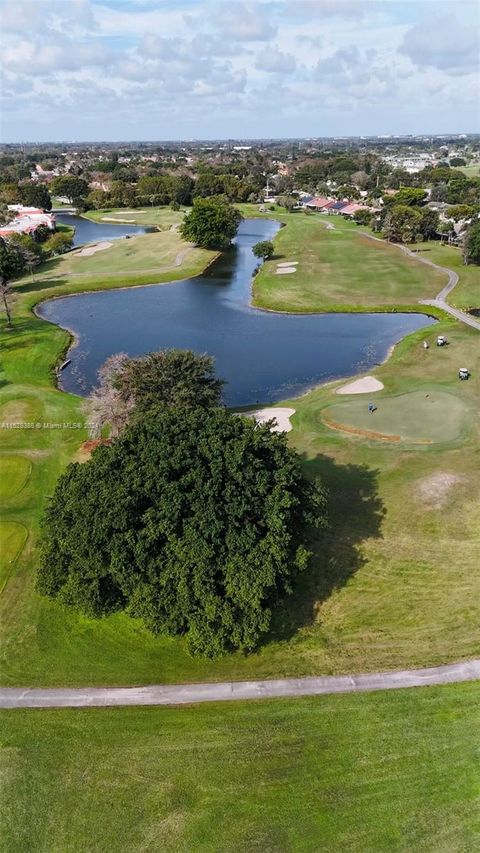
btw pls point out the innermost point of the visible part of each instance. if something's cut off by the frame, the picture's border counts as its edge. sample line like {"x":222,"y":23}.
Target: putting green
{"x":420,"y":416}
{"x":14,"y":473}
{"x":12,"y":539}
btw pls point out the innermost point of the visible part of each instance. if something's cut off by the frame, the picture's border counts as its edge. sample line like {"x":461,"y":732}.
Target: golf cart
{"x":463,"y":373}
{"x":441,"y":341}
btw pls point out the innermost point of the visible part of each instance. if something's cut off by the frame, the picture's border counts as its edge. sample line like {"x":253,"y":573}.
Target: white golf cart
{"x":463,"y":373}
{"x":441,"y":341}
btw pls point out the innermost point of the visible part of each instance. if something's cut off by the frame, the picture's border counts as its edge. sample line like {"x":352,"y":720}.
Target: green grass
{"x":147,"y":258}
{"x":471,"y":171}
{"x":395,"y":582}
{"x":437,"y":417}
{"x":466,"y":295}
{"x":163,"y":217}
{"x":394,"y":771}
{"x":339,"y":267}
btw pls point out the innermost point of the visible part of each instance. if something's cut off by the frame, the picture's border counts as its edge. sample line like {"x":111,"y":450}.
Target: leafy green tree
{"x":35,"y":195}
{"x":12,"y":264}
{"x":429,"y":222}
{"x":194,"y":521}
{"x":287,"y":201}
{"x":457,"y":212}
{"x":472,"y":244}
{"x":211,"y":224}
{"x":70,"y":186}
{"x":58,"y":244}
{"x":410,"y":196}
{"x":133,"y":387}
{"x":402,"y":223}
{"x":362,"y":217}
{"x":264,"y":249}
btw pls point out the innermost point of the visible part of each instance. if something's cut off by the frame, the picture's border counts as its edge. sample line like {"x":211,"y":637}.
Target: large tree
{"x":212,"y":223}
{"x":194,"y":521}
{"x":70,"y":186}
{"x":472,"y":244}
{"x":35,"y":195}
{"x":402,"y":223}
{"x":165,"y":379}
{"x":12,"y":264}
{"x":263,"y":250}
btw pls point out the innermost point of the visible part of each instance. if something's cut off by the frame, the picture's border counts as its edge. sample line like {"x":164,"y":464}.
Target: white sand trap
{"x":366,"y":385}
{"x":285,"y":270}
{"x":117,"y":220}
{"x":92,"y":250}
{"x":281,"y":416}
{"x":287,"y":264}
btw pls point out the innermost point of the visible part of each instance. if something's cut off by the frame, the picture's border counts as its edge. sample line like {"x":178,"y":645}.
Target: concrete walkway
{"x":185,"y":694}
{"x":440,"y":299}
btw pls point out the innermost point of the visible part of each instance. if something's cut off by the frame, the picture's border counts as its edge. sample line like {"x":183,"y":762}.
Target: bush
{"x":193,"y":520}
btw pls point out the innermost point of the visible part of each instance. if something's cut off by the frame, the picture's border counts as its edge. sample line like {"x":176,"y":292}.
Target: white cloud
{"x":243,"y":21}
{"x":443,"y":42}
{"x":272,"y":59}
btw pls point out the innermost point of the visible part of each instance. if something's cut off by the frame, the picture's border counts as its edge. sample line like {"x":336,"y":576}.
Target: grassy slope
{"x":386,"y":771}
{"x":466,"y":294}
{"x":395,"y":584}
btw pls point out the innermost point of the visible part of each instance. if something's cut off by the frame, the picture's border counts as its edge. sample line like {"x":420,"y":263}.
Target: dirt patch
{"x":434,"y":490}
{"x":86,"y":449}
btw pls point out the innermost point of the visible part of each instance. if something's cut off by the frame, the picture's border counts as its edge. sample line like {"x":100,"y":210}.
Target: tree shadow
{"x":355,"y":513}
{"x":39,"y":284}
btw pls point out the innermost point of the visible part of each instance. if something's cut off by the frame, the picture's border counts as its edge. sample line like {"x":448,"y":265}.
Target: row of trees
{"x":193,"y":519}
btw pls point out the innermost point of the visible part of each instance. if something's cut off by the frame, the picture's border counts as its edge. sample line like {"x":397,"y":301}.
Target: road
{"x":440,"y":299}
{"x":186,"y":694}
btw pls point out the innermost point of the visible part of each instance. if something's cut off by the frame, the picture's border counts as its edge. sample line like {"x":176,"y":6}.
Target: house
{"x":352,"y":208}
{"x":317,"y":203}
{"x":27,"y":221}
{"x":335,"y":207}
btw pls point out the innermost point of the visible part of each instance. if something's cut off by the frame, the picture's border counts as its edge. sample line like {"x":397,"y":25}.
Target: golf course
{"x":393,"y":583}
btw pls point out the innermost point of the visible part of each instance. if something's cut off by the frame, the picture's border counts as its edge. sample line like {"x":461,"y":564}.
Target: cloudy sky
{"x":176,"y":69}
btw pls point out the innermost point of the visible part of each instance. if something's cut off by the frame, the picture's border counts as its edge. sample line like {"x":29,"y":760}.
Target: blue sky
{"x":175,"y":69}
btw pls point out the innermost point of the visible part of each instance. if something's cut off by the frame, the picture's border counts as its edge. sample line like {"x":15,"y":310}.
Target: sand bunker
{"x":366,"y":385}
{"x":285,"y":270}
{"x":92,"y":250}
{"x":281,"y":416}
{"x":119,"y":221}
{"x":287,"y":264}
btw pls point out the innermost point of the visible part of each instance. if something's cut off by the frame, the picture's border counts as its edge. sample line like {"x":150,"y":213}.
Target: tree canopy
{"x":212,"y":223}
{"x":264,"y":249}
{"x":194,"y":521}
{"x":165,"y":379}
{"x":472,"y":244}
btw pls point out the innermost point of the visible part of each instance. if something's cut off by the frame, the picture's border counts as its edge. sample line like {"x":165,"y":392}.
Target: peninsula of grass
{"x":297,"y":775}
{"x":395,"y":583}
{"x":338,"y":268}
{"x":466,"y":294}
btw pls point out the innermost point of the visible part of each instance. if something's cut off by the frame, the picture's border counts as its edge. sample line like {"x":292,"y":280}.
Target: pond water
{"x":87,"y":231}
{"x":264,"y":356}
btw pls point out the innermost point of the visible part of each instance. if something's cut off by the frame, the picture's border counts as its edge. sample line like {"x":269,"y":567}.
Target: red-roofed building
{"x":352,"y":208}
{"x":317,"y":203}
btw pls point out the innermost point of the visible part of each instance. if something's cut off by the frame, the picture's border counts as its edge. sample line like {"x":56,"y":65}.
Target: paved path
{"x":440,"y":299}
{"x":185,"y":694}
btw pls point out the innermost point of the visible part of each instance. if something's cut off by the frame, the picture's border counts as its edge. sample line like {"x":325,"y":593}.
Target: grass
{"x":163,"y":217}
{"x":394,"y":584}
{"x":466,"y":295}
{"x":140,"y":260}
{"x":394,"y":771}
{"x":471,"y":171}
{"x":339,"y":267}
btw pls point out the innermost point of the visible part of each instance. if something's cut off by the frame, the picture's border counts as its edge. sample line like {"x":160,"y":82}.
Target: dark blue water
{"x":89,"y":232}
{"x":263,"y":356}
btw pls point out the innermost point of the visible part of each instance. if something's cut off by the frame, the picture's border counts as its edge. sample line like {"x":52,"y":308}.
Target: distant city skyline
{"x":107,"y":70}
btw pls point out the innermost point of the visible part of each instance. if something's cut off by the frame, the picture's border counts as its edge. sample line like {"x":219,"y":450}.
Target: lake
{"x":87,"y":231}
{"x":264,"y":356}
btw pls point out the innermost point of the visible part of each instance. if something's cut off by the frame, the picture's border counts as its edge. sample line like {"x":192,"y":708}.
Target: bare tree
{"x":106,"y":403}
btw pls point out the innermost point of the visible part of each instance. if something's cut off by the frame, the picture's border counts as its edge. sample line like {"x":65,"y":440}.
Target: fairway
{"x":12,"y":539}
{"x":433,"y":416}
{"x":339,"y":269}
{"x":283,"y":775}
{"x":14,"y":473}
{"x":163,"y":217}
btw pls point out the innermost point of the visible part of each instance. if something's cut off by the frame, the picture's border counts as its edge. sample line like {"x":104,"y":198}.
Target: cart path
{"x":440,"y":299}
{"x":186,"y":694}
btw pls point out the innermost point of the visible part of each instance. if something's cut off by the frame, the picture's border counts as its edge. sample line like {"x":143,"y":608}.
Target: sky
{"x":80,"y":70}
